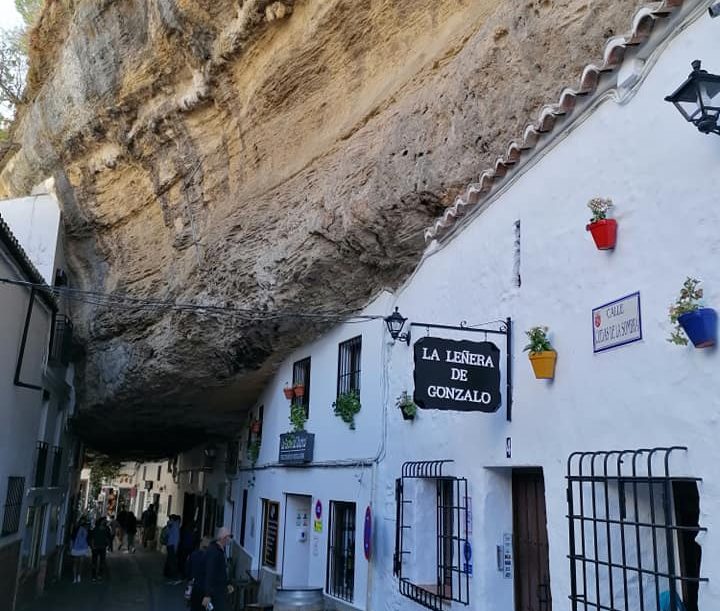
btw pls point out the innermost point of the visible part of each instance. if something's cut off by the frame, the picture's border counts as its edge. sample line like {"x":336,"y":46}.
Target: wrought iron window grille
{"x":40,"y":463}
{"x":632,"y":528}
{"x":61,"y":341}
{"x":301,"y":375}
{"x":13,"y":505}
{"x":452,"y":578}
{"x":56,"y":465}
{"x":349,"y":354}
{"x":340,"y":572}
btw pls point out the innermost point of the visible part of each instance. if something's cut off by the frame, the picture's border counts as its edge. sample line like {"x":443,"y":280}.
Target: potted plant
{"x":255,"y":426}
{"x":346,"y":406}
{"x":542,"y":355}
{"x":602,"y":229}
{"x":253,"y":451}
{"x":690,"y":320}
{"x":407,"y":406}
{"x":299,"y":389}
{"x":298,"y":418}
{"x":288,"y":391}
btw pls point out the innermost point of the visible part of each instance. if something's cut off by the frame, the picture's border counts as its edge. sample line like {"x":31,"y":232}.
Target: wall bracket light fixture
{"x":395,"y":323}
{"x":698,"y":99}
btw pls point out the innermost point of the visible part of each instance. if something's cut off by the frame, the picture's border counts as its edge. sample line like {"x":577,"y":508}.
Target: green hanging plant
{"x":688,"y":301}
{"x":406,"y":405}
{"x":346,"y":406}
{"x":253,"y":451}
{"x":298,"y":418}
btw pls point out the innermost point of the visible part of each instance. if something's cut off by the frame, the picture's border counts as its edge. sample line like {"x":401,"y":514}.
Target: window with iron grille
{"x":57,"y":463}
{"x":61,"y":341}
{"x":144,"y":473}
{"x":349,"y":353}
{"x":159,"y":473}
{"x":301,"y":375}
{"x":632,"y":532}
{"x":169,"y":507}
{"x":41,"y":464}
{"x":271,"y":517}
{"x":232,"y":456}
{"x":13,"y":505}
{"x":425,"y":494}
{"x":341,"y":551}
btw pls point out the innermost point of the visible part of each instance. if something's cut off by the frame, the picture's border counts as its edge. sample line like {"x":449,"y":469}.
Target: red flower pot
{"x":604,"y":233}
{"x":299,"y":390}
{"x":255,"y":426}
{"x":289,"y":392}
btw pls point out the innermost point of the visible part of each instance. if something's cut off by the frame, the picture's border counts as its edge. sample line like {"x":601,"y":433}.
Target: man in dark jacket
{"x":100,"y":540}
{"x":195,"y":573}
{"x":216,"y":581}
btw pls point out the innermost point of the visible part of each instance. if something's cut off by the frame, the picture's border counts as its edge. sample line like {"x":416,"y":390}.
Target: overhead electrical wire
{"x":127,"y":302}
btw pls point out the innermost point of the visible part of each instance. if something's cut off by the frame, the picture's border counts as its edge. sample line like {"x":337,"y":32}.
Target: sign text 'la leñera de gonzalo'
{"x":457,"y":375}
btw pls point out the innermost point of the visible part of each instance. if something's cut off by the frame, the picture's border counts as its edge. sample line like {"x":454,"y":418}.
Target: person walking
{"x":130,"y":530}
{"x":173,"y":539}
{"x":195,"y":573}
{"x":149,"y":522}
{"x":100,"y":540}
{"x":79,"y":548}
{"x":216,"y":585}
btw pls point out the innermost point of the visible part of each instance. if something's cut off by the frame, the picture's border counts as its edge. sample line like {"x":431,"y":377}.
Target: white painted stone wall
{"x":662,"y":175}
{"x":337,"y":473}
{"x":35,"y":222}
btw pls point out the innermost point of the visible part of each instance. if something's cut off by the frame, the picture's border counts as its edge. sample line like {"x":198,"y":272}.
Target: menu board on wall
{"x":271,"y":516}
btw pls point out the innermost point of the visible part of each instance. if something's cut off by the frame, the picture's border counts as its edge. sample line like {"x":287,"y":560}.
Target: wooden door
{"x":530,"y":542}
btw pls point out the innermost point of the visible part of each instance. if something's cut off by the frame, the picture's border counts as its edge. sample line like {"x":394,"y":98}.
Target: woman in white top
{"x":79,"y":548}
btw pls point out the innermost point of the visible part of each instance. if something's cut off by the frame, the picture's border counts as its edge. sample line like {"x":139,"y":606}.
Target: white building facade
{"x":38,"y":454}
{"x":593,"y":490}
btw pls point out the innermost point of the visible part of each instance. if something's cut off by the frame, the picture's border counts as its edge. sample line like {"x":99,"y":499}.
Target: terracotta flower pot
{"x":255,"y":426}
{"x":289,"y":392}
{"x":543,"y":364}
{"x":299,"y":390}
{"x":604,"y":233}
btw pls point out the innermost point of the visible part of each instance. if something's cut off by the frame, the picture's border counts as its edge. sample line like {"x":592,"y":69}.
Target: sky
{"x":9,"y":17}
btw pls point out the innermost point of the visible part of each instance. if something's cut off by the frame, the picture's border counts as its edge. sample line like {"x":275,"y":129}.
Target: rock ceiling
{"x":267,"y":156}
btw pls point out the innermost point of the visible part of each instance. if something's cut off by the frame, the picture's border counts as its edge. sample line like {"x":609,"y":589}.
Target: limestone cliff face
{"x":267,"y":155}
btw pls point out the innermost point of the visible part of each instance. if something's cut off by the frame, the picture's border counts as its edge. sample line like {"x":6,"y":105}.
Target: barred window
{"x":13,"y":505}
{"x":41,"y":464}
{"x":301,"y":375}
{"x":349,"y":353}
{"x":632,"y":532}
{"x":56,"y":465}
{"x":341,"y":551}
{"x":425,"y":494}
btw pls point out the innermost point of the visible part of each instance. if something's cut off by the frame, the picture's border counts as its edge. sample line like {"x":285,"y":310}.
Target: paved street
{"x":133,"y":582}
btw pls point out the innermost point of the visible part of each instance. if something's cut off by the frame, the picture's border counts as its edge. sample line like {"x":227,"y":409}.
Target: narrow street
{"x":134,"y":582}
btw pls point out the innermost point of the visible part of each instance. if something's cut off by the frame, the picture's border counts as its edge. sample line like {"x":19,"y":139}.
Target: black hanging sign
{"x":457,"y":375}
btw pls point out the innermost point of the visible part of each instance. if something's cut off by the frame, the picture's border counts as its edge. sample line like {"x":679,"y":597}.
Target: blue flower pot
{"x":700,"y":326}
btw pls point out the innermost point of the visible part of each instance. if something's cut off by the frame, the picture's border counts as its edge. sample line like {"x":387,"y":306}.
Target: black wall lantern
{"x":395,"y":323}
{"x":698,"y":99}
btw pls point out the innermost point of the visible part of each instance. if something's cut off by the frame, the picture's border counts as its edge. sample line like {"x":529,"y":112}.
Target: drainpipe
{"x":21,"y":354}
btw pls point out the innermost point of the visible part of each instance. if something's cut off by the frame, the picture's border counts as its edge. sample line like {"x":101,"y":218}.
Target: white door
{"x":296,"y":554}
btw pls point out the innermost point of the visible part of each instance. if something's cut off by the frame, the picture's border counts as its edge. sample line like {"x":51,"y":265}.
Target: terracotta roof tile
{"x":613,"y":56}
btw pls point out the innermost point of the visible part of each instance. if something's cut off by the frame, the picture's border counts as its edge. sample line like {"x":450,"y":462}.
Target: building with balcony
{"x":38,"y":455}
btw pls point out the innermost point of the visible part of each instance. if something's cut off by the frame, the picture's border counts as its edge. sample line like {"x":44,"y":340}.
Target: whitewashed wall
{"x":334,"y":442}
{"x":662,"y":175}
{"x":21,"y":409}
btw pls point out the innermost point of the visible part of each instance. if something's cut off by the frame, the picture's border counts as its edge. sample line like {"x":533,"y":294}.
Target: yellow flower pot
{"x":543,"y":364}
